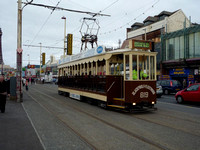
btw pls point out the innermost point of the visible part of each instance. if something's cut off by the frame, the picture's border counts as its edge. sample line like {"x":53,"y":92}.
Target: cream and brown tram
{"x":123,"y":79}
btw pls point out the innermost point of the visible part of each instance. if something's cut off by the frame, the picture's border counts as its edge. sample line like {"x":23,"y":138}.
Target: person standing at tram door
{"x":3,"y":93}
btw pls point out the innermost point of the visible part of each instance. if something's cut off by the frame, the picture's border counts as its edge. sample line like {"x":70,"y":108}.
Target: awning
{"x":83,"y":61}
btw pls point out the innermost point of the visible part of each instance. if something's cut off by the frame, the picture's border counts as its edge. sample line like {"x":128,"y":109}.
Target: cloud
{"x":122,"y":12}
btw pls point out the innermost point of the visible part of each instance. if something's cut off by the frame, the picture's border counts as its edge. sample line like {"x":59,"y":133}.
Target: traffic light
{"x":43,"y":58}
{"x":69,"y":44}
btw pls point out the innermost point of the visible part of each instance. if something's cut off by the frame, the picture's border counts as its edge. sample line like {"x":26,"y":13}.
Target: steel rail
{"x":60,"y":119}
{"x":141,"y":138}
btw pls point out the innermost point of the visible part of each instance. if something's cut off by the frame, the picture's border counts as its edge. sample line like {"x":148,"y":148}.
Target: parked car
{"x":192,"y":93}
{"x":159,"y":91}
{"x":170,"y":86}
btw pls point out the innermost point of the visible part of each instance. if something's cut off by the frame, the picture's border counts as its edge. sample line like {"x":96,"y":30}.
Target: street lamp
{"x":64,"y":35}
{"x":40,"y":57}
{"x":28,"y":58}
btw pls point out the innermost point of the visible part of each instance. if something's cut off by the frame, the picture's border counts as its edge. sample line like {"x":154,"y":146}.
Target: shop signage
{"x":191,"y":77}
{"x":31,"y":66}
{"x":165,"y":77}
{"x":181,"y":71}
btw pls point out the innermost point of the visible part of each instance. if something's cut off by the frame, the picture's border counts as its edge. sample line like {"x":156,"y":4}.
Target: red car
{"x":192,"y":93}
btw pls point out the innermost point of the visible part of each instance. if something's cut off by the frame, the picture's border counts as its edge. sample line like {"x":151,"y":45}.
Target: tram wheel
{"x":102,"y":105}
{"x":179,"y":99}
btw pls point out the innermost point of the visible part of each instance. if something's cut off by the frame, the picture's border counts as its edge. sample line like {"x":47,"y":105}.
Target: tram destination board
{"x":140,"y":44}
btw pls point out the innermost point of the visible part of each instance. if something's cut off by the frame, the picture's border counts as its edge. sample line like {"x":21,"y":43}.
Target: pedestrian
{"x":23,"y":83}
{"x":27,"y":85}
{"x":184,"y":83}
{"x":190,"y":82}
{"x":3,"y":93}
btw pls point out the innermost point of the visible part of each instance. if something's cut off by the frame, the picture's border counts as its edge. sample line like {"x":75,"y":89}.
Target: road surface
{"x":64,"y":123}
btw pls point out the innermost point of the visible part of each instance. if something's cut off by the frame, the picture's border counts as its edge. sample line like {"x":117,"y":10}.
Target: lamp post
{"x":40,"y":58}
{"x":28,"y":59}
{"x":64,"y":35}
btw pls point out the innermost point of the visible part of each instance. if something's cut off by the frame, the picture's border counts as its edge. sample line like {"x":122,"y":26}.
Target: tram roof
{"x":71,"y":60}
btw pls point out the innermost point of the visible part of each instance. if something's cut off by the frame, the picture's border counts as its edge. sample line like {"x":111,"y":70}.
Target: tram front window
{"x":140,"y":67}
{"x":126,"y":69}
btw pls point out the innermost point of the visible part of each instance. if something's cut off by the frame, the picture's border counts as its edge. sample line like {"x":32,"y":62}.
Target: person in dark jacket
{"x":3,"y":93}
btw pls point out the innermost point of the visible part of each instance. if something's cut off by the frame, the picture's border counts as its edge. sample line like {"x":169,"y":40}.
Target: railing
{"x":111,"y":86}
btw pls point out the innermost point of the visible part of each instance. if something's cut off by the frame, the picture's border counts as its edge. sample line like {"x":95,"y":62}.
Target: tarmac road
{"x":64,"y":123}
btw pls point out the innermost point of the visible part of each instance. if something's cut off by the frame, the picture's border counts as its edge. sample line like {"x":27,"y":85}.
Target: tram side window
{"x":152,"y":67}
{"x":127,"y":67}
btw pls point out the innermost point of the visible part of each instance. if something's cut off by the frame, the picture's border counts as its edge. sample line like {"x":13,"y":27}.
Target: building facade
{"x":181,"y":54}
{"x":153,"y":27}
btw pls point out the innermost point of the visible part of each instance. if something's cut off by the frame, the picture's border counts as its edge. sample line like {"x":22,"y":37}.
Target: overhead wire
{"x":120,"y":27}
{"x":126,"y":14}
{"x":98,"y":13}
{"x":109,"y":6}
{"x":44,"y":23}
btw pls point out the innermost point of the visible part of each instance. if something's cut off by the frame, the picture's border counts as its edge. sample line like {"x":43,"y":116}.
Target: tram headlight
{"x":134,"y":104}
{"x":153,"y":103}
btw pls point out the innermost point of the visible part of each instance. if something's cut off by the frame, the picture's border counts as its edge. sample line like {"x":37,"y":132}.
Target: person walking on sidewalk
{"x":26,"y":85}
{"x":3,"y":93}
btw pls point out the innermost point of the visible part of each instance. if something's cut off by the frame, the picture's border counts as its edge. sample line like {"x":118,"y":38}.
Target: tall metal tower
{"x":1,"y":56}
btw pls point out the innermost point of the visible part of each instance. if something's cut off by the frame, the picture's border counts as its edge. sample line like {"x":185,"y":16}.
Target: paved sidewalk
{"x":16,"y":131}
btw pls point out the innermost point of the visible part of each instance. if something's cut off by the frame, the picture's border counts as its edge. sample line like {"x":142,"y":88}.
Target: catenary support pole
{"x":19,"y":53}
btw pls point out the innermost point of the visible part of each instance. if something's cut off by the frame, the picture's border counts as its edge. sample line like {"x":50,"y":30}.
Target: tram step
{"x":117,"y":106}
{"x":119,"y":99}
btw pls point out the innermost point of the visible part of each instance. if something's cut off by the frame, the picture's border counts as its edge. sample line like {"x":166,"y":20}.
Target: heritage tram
{"x":123,"y":79}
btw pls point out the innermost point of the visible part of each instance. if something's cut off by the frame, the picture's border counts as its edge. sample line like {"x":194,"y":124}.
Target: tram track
{"x":93,"y":147}
{"x":161,"y":124}
{"x":57,"y":98}
{"x":141,"y":138}
{"x":167,"y":115}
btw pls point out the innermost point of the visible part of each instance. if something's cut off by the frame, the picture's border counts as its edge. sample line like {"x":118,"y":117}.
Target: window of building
{"x":171,"y":49}
{"x":177,"y":48}
{"x":191,"y":46}
{"x":182,"y":47}
{"x":167,"y":49}
{"x":148,"y":23}
{"x":197,"y":44}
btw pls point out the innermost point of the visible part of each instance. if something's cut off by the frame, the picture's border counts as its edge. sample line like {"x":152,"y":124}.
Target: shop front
{"x":182,"y":73}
